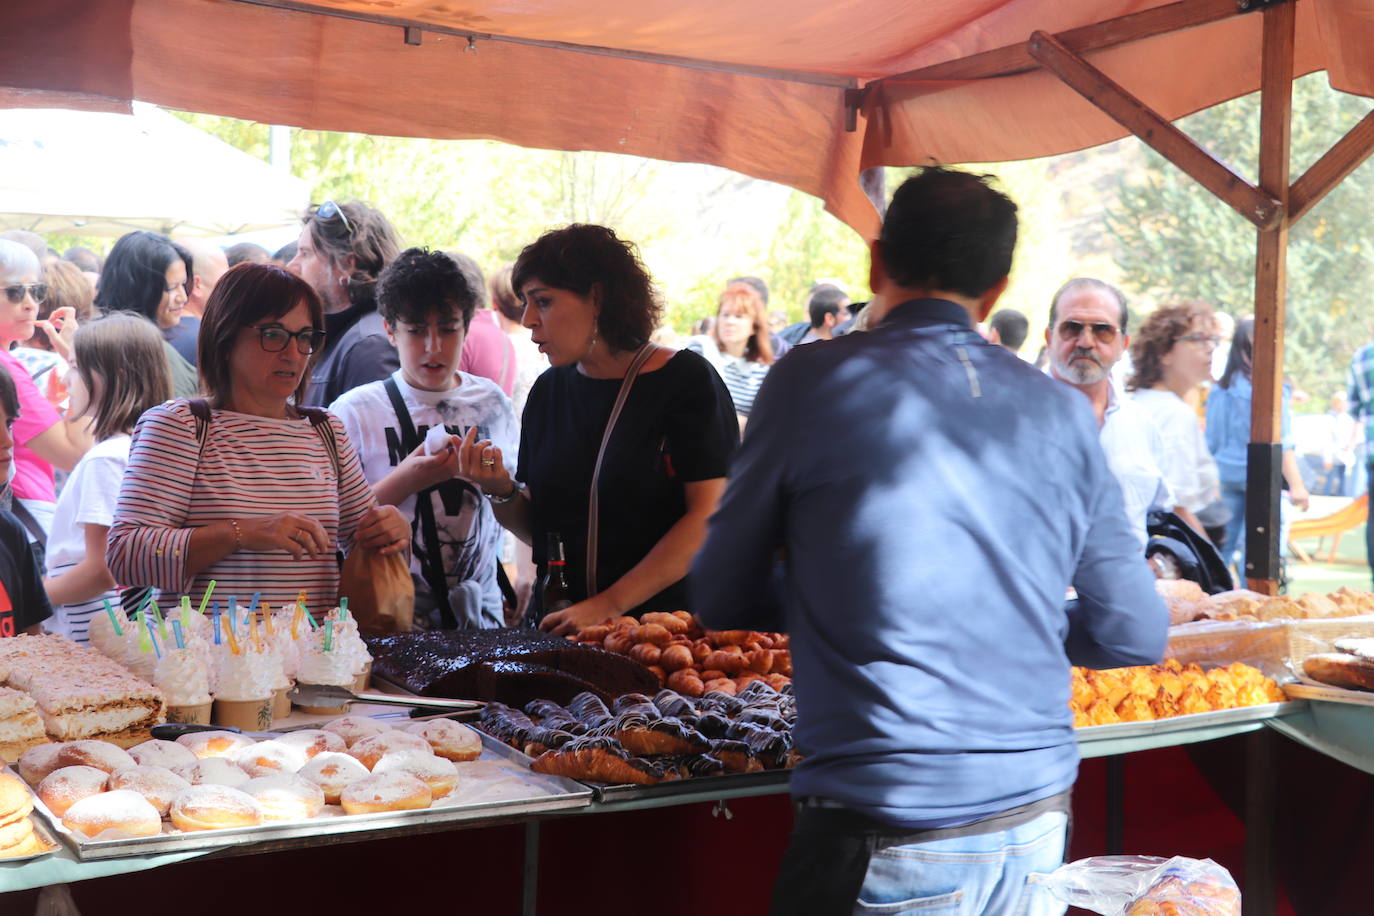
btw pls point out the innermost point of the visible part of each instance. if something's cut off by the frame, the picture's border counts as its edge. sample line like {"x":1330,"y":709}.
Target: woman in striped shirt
{"x":246,"y":488}
{"x":739,"y":345}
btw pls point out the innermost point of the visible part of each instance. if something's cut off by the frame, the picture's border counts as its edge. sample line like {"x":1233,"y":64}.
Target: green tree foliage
{"x":1175,"y":241}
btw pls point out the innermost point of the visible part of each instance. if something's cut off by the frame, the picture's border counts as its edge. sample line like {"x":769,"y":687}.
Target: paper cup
{"x":364,"y":678}
{"x":250,"y":715}
{"x":281,"y":703}
{"x":193,"y":715}
{"x":323,"y":710}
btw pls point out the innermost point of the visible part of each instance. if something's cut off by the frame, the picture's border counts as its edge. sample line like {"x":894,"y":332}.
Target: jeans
{"x":1233,"y":545}
{"x":983,"y":875}
{"x":1369,"y":523}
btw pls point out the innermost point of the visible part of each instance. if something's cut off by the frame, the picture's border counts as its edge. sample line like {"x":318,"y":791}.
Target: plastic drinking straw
{"x":233,"y":614}
{"x":176,"y":631}
{"x":152,"y":637}
{"x":143,"y":605}
{"x":205,"y":599}
{"x":233,"y":640}
{"x":145,"y":642}
{"x":267,"y":620}
{"x":161,"y":624}
{"x":296,"y":622}
{"x":253,"y":603}
{"x":329,"y":636}
{"x":218,"y":626}
{"x":343,"y":608}
{"x":114,"y":621}
{"x":253,"y":629}
{"x":186,"y":611}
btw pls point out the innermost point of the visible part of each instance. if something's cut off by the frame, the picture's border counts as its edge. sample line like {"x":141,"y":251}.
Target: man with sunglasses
{"x":343,"y":249}
{"x":1086,"y":336}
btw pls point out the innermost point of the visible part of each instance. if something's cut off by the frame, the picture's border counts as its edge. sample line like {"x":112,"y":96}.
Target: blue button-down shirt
{"x":935,"y":497}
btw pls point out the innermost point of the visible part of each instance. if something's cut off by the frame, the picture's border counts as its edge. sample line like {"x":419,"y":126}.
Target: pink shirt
{"x":488,"y":352}
{"x":32,"y":475}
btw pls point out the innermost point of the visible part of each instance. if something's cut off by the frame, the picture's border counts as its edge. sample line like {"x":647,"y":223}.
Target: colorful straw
{"x":114,"y":621}
{"x":161,"y":624}
{"x":186,"y":611}
{"x":329,"y":636}
{"x":145,"y":642}
{"x":296,"y":622}
{"x":267,"y":619}
{"x":218,"y":623}
{"x":152,"y":637}
{"x":176,"y":631}
{"x":343,"y":608}
{"x":205,"y":599}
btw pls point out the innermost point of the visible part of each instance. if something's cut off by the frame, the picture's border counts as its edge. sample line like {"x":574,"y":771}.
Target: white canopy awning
{"x":95,"y":173}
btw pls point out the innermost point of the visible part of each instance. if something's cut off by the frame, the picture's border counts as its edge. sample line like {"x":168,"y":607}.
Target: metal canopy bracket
{"x":414,"y":35}
{"x":853,"y":101}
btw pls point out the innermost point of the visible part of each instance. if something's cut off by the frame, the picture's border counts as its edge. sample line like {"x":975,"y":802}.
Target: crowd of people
{"x":176,"y":414}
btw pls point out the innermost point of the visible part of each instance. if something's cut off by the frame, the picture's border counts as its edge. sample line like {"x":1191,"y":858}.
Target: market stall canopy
{"x":98,"y":173}
{"x":770,"y":88}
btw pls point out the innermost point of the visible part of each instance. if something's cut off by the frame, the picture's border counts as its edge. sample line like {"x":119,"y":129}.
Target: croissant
{"x":686,"y":681}
{"x":619,"y":642}
{"x":597,"y":760}
{"x":646,"y":653}
{"x":652,"y":632}
{"x":676,"y":657}
{"x":722,"y":684}
{"x":730,"y":637}
{"x":729,"y":662}
{"x":665,"y":736}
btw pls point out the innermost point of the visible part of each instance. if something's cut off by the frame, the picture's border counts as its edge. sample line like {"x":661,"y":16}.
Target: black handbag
{"x":1194,"y":556}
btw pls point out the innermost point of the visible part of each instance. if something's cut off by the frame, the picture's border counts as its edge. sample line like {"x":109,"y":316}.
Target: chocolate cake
{"x":509,"y":666}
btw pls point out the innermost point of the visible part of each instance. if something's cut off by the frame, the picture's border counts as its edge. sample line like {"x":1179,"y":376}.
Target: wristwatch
{"x":502,"y":500}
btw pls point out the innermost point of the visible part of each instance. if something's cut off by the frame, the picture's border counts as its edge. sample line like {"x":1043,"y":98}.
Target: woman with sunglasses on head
{"x":43,"y":440}
{"x":1171,"y":356}
{"x":590,"y":307}
{"x":343,"y":249}
{"x":146,"y":273}
{"x":1228,"y":437}
{"x":246,"y":487}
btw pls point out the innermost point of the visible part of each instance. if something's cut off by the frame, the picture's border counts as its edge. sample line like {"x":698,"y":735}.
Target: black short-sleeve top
{"x":678,"y":426}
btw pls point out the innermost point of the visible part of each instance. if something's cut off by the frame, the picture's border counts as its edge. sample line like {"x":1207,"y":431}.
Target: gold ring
{"x":489,"y":462}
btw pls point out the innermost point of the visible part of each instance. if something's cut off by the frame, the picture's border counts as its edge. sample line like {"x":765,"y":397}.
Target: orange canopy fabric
{"x":756,"y":87}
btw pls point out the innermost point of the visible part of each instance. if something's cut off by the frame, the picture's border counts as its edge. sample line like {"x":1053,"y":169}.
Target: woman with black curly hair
{"x":1171,"y":355}
{"x":624,"y":445}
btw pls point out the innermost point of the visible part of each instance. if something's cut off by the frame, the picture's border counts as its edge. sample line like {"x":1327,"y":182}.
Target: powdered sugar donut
{"x":126,"y":813}
{"x":37,"y":762}
{"x":355,"y":728}
{"x":157,"y":753}
{"x":450,"y":740}
{"x":158,"y":785}
{"x":385,"y":792}
{"x":332,"y":772}
{"x":436,"y":772}
{"x":218,"y":771}
{"x":287,"y":797}
{"x":268,"y":758}
{"x":212,"y":807}
{"x":214,"y":744}
{"x":99,"y":754}
{"x":313,"y":741}
{"x":66,"y":786}
{"x":370,"y":750}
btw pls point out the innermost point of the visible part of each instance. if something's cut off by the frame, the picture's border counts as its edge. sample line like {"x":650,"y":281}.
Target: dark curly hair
{"x":587,"y":259}
{"x":1158,"y":334}
{"x":420,"y":282}
{"x":367,"y":235}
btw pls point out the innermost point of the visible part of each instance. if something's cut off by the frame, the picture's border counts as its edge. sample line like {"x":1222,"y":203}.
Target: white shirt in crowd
{"x":1187,"y":464}
{"x":88,"y":498}
{"x":1135,"y":454}
{"x":468,"y":531}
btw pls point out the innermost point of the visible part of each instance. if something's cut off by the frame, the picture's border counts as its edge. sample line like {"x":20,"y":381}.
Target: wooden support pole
{"x":1331,"y":169}
{"x":1271,"y":277}
{"x":1262,"y":209}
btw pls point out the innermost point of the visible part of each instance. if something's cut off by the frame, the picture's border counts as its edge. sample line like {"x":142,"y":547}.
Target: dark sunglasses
{"x":330,"y":210}
{"x":1072,"y":330}
{"x":15,"y":294}
{"x":273,"y":338}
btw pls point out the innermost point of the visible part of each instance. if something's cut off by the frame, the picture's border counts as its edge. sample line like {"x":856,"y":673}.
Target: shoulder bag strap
{"x":594,"y":500}
{"x":431,"y":558}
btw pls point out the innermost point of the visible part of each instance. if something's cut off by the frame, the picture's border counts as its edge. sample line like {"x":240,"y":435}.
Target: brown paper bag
{"x":379,"y":590}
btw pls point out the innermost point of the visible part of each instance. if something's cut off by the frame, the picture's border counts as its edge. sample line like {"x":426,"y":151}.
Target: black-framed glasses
{"x":15,"y":292}
{"x":273,"y":338}
{"x":1103,"y":332}
{"x":1207,"y":340}
{"x":330,"y":210}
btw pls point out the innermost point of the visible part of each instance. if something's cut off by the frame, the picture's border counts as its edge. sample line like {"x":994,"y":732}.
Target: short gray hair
{"x":18,"y":259}
{"x":1092,"y":283}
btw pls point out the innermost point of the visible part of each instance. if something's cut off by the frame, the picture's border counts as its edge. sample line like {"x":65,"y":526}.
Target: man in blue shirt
{"x":934,"y":497}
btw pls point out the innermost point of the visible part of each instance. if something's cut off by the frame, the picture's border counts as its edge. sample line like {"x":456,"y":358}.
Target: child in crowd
{"x":23,"y":605}
{"x":426,"y":305}
{"x":121,"y":371}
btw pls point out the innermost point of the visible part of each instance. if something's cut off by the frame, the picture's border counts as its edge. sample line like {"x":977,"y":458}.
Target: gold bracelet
{"x":238,"y":535}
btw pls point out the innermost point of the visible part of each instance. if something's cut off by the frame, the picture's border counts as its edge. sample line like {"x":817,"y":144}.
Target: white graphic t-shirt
{"x":469,"y":535}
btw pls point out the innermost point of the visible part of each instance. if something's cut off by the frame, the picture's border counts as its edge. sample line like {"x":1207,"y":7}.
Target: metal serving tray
{"x":1126,"y":737}
{"x":545,"y":793}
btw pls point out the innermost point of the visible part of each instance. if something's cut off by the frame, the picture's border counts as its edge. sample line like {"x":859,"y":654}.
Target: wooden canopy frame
{"x":1274,"y":205}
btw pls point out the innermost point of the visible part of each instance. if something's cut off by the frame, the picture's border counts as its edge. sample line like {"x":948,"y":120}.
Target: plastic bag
{"x":1145,"y":886}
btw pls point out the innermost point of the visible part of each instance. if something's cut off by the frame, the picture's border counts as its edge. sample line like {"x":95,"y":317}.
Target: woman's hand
{"x":60,"y":328}
{"x":481,"y":464}
{"x":383,"y":529}
{"x":579,"y":616}
{"x":299,"y":535}
{"x":424,"y":471}
{"x":1299,"y":497}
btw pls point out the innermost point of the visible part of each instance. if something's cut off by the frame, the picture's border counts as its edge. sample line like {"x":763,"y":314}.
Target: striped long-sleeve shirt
{"x":249,"y":467}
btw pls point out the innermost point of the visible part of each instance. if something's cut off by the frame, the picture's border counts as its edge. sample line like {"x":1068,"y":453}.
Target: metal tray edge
{"x":1189,"y":722}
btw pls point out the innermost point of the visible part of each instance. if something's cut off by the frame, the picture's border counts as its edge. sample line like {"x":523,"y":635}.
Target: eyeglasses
{"x":1072,"y":330}
{"x":273,"y":338}
{"x":1207,"y":340}
{"x":15,"y":293}
{"x":330,"y":210}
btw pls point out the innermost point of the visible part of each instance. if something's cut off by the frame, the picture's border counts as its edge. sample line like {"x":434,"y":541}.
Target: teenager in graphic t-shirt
{"x":23,"y":603}
{"x":426,"y":307}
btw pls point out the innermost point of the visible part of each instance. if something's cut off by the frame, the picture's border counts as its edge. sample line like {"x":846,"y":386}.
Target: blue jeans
{"x":1233,"y":543}
{"x":984,"y":875}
